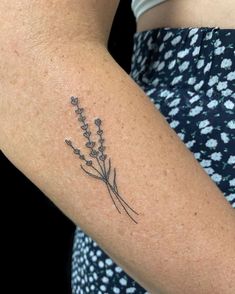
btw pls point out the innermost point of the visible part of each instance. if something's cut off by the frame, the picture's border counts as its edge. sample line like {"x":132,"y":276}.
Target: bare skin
{"x":184,"y":13}
{"x":50,"y":50}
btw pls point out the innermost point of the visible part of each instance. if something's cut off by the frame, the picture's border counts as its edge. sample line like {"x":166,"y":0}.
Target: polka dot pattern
{"x":94,"y":272}
{"x":195,"y":91}
{"x":189,"y":75}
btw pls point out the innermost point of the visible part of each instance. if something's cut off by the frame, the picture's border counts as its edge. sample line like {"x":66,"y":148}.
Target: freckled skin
{"x":68,"y":39}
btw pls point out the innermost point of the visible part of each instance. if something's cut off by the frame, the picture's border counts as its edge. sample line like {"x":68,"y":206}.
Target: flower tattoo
{"x":99,"y":167}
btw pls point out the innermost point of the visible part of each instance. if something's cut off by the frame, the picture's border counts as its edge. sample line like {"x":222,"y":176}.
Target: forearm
{"x":185,"y":236}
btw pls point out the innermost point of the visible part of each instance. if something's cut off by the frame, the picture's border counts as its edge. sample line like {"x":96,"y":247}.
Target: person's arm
{"x":183,"y":241}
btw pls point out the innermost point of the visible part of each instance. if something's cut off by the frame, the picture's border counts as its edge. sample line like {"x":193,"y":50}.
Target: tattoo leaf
{"x":109,"y":169}
{"x":90,"y":174}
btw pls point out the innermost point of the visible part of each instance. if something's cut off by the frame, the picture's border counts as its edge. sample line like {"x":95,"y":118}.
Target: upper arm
{"x":64,"y":19}
{"x":29,"y":27}
{"x":156,"y":174}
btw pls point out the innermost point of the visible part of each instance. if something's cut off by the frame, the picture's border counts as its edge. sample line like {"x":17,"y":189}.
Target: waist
{"x":185,"y":13}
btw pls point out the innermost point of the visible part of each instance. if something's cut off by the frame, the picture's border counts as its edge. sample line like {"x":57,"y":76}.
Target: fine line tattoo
{"x":99,"y":168}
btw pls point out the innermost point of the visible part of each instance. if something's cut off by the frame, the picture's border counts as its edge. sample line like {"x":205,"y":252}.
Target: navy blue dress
{"x":189,"y":74}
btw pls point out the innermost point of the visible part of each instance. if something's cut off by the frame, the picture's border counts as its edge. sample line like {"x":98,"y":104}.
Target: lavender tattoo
{"x":101,"y":170}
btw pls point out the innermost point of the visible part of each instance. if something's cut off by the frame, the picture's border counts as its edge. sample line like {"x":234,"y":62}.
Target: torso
{"x":189,"y":13}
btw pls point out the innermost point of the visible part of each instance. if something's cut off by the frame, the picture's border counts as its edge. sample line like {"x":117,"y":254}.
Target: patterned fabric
{"x":189,"y":74}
